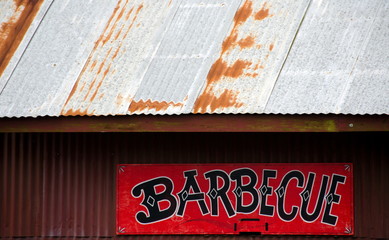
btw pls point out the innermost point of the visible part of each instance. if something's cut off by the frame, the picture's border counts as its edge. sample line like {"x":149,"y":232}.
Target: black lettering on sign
{"x":240,"y":189}
{"x":306,"y":196}
{"x":265,"y":190}
{"x":151,"y":199}
{"x":185,"y":195}
{"x":332,"y":198}
{"x":216,"y":192}
{"x":281,"y":193}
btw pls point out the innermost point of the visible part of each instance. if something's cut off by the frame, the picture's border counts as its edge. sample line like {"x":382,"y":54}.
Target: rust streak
{"x":100,"y":83}
{"x":101,"y":38}
{"x":13,"y":31}
{"x":118,"y":33}
{"x":77,"y":112}
{"x":75,"y":86}
{"x":121,"y":12}
{"x":246,"y":42}
{"x":108,"y":53}
{"x":108,"y":37}
{"x":253,"y":75}
{"x":110,"y":30}
{"x":257,"y":66}
{"x":74,"y":89}
{"x":116,"y":53}
{"x":18,"y":2}
{"x":82,"y":87}
{"x":241,"y":16}
{"x":271,"y":47}
{"x":90,"y":88}
{"x":139,"y":8}
{"x":128,"y":29}
{"x":100,"y":68}
{"x":148,"y":105}
{"x":103,"y":62}
{"x":217,"y":70}
{"x":243,"y":13}
{"x":229,"y":42}
{"x":262,"y":13}
{"x":93,"y":65}
{"x":129,"y":14}
{"x":96,"y":90}
{"x":237,"y":68}
{"x":227,"y":99}
{"x":133,"y":21}
{"x":220,"y":69}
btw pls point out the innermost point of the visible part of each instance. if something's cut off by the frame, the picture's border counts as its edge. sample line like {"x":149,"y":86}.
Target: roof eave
{"x":200,"y":123}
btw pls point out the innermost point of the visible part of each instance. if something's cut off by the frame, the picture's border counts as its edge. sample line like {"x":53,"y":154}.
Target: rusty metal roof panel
{"x":242,"y":76}
{"x":178,"y":68}
{"x":123,"y":57}
{"x":18,"y":22}
{"x":55,"y":56}
{"x":239,"y":72}
{"x":156,"y":60}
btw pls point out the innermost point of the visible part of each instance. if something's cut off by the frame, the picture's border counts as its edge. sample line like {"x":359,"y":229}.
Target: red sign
{"x":314,"y":199}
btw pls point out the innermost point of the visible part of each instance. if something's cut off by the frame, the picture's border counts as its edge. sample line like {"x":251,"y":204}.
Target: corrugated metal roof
{"x":123,"y":57}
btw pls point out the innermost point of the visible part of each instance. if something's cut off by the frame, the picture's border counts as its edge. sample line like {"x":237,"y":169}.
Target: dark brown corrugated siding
{"x":63,"y":185}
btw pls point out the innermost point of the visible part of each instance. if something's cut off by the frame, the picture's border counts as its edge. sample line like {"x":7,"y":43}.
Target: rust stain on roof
{"x":262,"y":13}
{"x":220,"y":69}
{"x":214,"y":96}
{"x":141,"y":105}
{"x":228,"y":98}
{"x":106,"y":36}
{"x":271,"y":47}
{"x":76,"y":112}
{"x":116,"y":53}
{"x":13,"y":31}
{"x":106,"y":50}
{"x":258,"y":66}
{"x":93,"y":65}
{"x":237,"y":68}
{"x":247,"y":42}
{"x":243,"y":13}
{"x":240,"y":17}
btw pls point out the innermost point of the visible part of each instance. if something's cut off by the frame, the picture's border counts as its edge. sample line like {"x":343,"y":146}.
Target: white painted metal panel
{"x":322,"y":71}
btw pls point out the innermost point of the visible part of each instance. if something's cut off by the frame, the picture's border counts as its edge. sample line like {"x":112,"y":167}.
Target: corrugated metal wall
{"x":63,"y":185}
